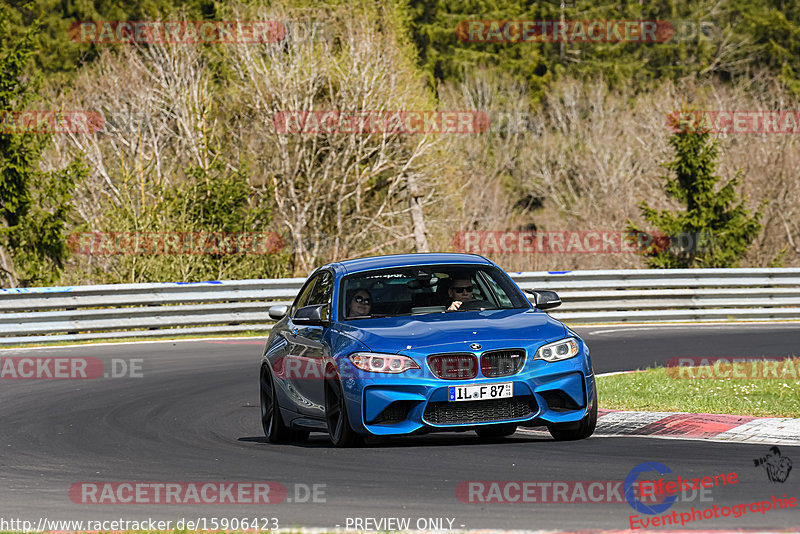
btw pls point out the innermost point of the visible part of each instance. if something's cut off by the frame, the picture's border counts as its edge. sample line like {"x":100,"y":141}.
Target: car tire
{"x":271,"y":420}
{"x":580,"y":430}
{"x":342,"y":434}
{"x":496,"y":431}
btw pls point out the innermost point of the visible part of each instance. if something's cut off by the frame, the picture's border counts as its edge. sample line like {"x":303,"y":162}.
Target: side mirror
{"x":545,"y":300}
{"x":314,"y":315}
{"x":277,"y":312}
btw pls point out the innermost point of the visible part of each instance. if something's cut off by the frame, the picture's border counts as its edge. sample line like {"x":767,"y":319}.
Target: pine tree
{"x":716,"y":228}
{"x":34,"y":205}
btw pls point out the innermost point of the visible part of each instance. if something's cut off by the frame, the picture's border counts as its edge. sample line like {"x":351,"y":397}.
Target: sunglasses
{"x":463,"y":289}
{"x":361,"y":299}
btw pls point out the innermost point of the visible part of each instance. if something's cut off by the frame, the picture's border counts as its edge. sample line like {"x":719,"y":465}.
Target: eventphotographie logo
{"x":776,"y":465}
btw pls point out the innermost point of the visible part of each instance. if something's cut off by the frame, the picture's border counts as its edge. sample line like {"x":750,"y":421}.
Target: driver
{"x":360,"y":304}
{"x":460,"y":291}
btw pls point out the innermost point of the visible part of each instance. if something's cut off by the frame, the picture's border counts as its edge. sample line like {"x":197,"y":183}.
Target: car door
{"x":281,"y":347}
{"x":309,"y":351}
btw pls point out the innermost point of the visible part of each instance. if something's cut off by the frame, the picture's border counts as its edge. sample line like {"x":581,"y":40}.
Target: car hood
{"x":455,"y":330}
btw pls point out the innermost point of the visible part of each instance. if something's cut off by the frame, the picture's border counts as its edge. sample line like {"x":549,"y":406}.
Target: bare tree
{"x":337,"y":192}
{"x":156,"y":102}
{"x":580,"y":159}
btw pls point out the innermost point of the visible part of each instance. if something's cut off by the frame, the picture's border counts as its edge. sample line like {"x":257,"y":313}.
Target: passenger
{"x":460,"y":290}
{"x":360,"y":304}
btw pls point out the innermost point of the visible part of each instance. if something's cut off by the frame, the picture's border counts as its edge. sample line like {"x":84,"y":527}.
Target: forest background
{"x":578,"y":137}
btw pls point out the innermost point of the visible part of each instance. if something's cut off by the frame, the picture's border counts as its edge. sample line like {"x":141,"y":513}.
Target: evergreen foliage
{"x":732,"y":40}
{"x":59,"y":54}
{"x":34,"y":205}
{"x":234,"y":186}
{"x":716,"y":228}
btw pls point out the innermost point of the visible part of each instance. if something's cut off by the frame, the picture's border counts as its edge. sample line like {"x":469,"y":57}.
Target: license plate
{"x":481,"y":392}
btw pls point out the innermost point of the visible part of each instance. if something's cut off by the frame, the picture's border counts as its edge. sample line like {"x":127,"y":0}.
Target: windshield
{"x":427,"y":289}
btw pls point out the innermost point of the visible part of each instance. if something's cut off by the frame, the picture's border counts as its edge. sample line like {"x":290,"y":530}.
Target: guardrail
{"x":29,"y":315}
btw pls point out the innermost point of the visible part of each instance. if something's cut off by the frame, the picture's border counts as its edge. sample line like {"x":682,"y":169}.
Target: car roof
{"x":409,"y":260}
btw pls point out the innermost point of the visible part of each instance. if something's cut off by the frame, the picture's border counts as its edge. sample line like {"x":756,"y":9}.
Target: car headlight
{"x":557,"y":351}
{"x":382,"y":363}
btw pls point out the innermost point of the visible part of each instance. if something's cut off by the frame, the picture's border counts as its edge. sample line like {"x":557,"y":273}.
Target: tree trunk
{"x":7,"y":269}
{"x":417,"y":215}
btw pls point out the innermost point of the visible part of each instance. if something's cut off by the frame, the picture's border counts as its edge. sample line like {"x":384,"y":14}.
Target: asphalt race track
{"x":190,"y":414}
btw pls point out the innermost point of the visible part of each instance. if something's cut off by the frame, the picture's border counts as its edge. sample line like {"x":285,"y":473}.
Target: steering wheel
{"x":472,"y":305}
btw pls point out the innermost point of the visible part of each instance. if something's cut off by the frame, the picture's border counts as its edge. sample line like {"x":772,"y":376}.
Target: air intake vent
{"x":482,"y":411}
{"x":558,"y":401}
{"x":395,"y":413}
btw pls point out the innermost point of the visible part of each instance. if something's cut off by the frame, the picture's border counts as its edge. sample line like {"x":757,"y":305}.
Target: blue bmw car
{"x":415,"y":343}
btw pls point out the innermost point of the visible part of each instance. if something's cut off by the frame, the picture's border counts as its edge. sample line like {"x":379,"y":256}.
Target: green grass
{"x":654,"y":390}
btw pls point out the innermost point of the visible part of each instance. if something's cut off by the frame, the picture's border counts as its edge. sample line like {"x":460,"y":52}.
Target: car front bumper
{"x":543,"y":394}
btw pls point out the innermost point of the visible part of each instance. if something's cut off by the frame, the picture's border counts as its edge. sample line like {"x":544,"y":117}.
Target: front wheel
{"x":271,"y":420}
{"x":342,"y":434}
{"x":580,"y":430}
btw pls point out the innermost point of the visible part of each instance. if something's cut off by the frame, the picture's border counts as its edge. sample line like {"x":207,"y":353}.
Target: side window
{"x":304,"y":295}
{"x":322,"y":290}
{"x":478,"y":289}
{"x":496,"y":290}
